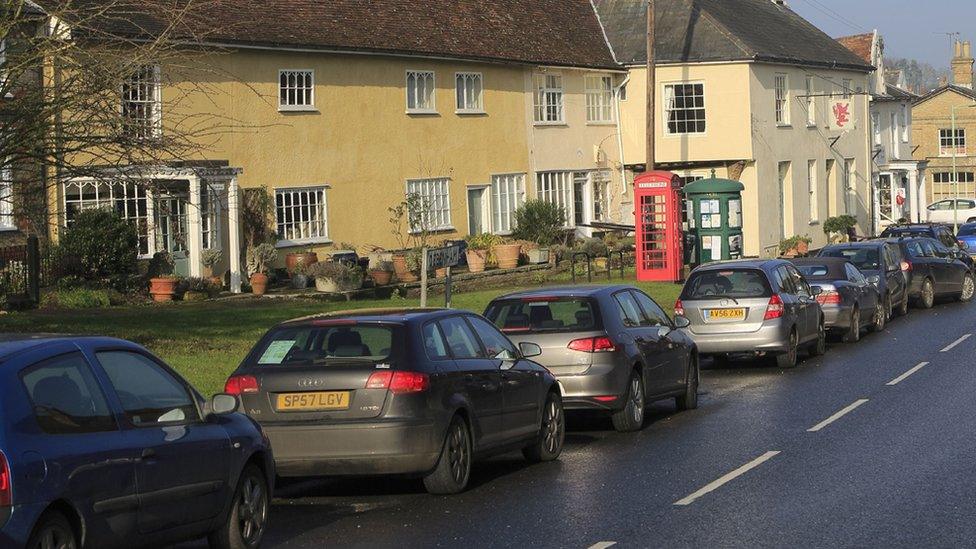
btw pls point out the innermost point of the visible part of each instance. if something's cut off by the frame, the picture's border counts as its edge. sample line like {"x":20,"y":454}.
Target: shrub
{"x":483,"y":241}
{"x":539,"y":221}
{"x":594,"y":247}
{"x":340,"y":273}
{"x":78,"y":298}
{"x":196,"y":284}
{"x":260,"y":258}
{"x":98,"y":246}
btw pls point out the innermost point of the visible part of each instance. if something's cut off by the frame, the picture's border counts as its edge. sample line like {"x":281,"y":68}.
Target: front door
{"x":477,"y":206}
{"x":674,"y":367}
{"x":181,"y":471}
{"x":481,"y":381}
{"x":653,"y":349}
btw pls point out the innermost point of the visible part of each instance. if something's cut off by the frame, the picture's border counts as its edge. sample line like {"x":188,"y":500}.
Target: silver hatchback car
{"x":611,"y":348}
{"x":759,"y":307}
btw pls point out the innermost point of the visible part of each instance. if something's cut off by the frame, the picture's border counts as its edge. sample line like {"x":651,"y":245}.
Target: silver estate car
{"x":611,"y":348}
{"x":759,"y":307}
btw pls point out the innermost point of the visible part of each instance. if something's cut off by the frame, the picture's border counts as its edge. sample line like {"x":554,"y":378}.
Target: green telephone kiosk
{"x":714,"y":209}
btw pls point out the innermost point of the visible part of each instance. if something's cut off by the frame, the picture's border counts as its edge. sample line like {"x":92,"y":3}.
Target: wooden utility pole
{"x":651,"y":87}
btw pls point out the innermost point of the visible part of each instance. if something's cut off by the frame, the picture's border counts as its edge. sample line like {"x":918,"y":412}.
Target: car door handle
{"x":148,"y":454}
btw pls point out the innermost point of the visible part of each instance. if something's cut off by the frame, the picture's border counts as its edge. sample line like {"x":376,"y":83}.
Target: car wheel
{"x":248,"y":518}
{"x":968,"y":289}
{"x":887,"y":308}
{"x":454,"y":465}
{"x":853,"y":334}
{"x":819,"y":347}
{"x":879,"y":319}
{"x":903,"y":308}
{"x":927,"y":297}
{"x":52,"y":531}
{"x":788,"y":359}
{"x":689,"y":400}
{"x":631,"y":417}
{"x":552,"y":433}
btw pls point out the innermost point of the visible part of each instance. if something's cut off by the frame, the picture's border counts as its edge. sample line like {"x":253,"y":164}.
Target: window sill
{"x":297,"y":108}
{"x":447,"y":229}
{"x":551,"y":124}
{"x":814,"y":222}
{"x":464,"y":112}
{"x":303,"y":242}
{"x":686,"y":134}
{"x":421,"y":112}
{"x":601,"y":123}
{"x":783,"y":125}
{"x":8,"y":228}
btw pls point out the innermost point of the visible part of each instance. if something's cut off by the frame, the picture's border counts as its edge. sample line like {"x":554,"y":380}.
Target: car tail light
{"x":608,"y":398}
{"x":238,"y":385}
{"x":602,"y":344}
{"x":679,"y":308}
{"x":906,"y":266}
{"x":399,"y":382}
{"x":829,"y":297}
{"x":775,"y":308}
{"x":6,"y":490}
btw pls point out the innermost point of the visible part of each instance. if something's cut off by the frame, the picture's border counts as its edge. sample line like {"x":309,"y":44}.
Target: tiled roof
{"x":949,"y":87}
{"x":721,"y":30}
{"x":859,"y":44}
{"x":545,"y":32}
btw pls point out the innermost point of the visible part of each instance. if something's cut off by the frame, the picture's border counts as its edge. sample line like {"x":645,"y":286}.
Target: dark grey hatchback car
{"x":418,"y":392}
{"x":611,"y":347}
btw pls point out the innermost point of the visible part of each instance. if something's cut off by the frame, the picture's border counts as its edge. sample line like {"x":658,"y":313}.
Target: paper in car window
{"x":276,"y":352}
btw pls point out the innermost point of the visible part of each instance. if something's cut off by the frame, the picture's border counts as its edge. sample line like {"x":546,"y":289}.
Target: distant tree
{"x":921,"y":77}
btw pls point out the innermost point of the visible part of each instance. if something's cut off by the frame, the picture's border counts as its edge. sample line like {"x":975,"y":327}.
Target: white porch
{"x":180,"y":209}
{"x":899,"y":193}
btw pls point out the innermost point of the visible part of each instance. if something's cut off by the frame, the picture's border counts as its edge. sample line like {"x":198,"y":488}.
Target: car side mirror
{"x":222,"y":404}
{"x":963,"y":246}
{"x":529,"y":350}
{"x":663,"y":331}
{"x":874,"y":279}
{"x":681,"y":322}
{"x":816,"y":290}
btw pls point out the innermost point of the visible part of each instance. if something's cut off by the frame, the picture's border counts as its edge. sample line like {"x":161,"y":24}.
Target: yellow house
{"x":744,"y":88}
{"x":342,"y":110}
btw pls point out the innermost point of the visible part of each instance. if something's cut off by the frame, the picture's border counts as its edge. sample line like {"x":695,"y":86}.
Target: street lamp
{"x":955,"y":174}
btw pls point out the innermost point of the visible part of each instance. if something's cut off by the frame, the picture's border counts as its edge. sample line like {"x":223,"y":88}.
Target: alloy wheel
{"x":252,"y":511}
{"x":855,"y":330}
{"x":637,"y":399}
{"x":879,"y":319}
{"x":459,"y":453}
{"x":55,"y":537}
{"x":968,"y":288}
{"x":928,"y":294}
{"x":791,"y":353}
{"x":553,"y":426}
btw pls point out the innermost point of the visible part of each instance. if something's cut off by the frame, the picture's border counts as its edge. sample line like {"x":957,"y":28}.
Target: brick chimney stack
{"x":962,"y":65}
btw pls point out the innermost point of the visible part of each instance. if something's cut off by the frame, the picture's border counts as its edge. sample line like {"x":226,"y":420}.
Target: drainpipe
{"x":620,"y":135}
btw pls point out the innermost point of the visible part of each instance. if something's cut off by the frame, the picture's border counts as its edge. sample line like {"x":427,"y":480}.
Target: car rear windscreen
{"x":813,"y":271}
{"x":905,"y":231}
{"x":734,"y":283}
{"x":543,"y":315}
{"x":310,"y":344}
{"x":865,"y":259}
{"x":967,"y":230}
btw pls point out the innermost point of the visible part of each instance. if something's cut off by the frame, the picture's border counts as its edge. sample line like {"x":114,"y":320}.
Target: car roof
{"x":591,"y":290}
{"x":835,"y":265}
{"x":742,"y":264}
{"x":13,"y":344}
{"x":861,"y":244}
{"x":396,"y":315}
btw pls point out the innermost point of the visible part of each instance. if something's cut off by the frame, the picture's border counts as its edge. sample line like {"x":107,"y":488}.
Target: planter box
{"x":537,"y":256}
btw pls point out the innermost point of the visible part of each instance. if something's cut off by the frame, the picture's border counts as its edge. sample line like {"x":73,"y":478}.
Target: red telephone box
{"x":657,"y":198}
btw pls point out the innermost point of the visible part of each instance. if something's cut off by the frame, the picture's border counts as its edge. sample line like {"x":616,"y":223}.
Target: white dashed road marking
{"x":603,"y":545}
{"x":718,"y":483}
{"x":954,"y":343}
{"x":902,"y":377}
{"x":837,"y":416}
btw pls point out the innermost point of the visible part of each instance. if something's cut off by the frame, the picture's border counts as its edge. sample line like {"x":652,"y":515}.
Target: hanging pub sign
{"x":841,"y":115}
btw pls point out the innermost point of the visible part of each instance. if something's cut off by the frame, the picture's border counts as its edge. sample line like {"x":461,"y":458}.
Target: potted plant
{"x":412,"y":262}
{"x":197,"y":289}
{"x":210,"y":260}
{"x":541,"y":223}
{"x":334,"y":277}
{"x":507,"y":253}
{"x":299,"y":275}
{"x":259,"y":260}
{"x":478,"y":253}
{"x":162,"y":281}
{"x":302,"y":258}
{"x":381,"y":271}
{"x":795,"y":246}
{"x":838,"y":228}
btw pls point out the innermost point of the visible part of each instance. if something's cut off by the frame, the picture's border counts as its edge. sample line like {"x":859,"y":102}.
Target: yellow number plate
{"x":726,"y":314}
{"x":309,"y":402}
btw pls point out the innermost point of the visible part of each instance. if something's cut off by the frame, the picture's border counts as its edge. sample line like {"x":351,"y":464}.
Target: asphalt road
{"x":843,"y":451}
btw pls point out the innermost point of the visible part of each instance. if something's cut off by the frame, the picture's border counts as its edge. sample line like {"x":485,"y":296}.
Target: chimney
{"x":962,"y":65}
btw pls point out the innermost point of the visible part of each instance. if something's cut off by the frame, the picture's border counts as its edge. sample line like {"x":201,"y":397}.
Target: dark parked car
{"x":612,"y":348}
{"x":967,"y":236}
{"x":882,"y":259}
{"x":758,"y":307}
{"x":935,"y":271}
{"x":419,"y":392}
{"x":103,"y":445}
{"x":938,"y":231}
{"x":850,"y":301}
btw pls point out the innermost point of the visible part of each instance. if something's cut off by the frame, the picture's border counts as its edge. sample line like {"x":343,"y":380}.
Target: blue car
{"x":103,"y":445}
{"x":967,"y":235}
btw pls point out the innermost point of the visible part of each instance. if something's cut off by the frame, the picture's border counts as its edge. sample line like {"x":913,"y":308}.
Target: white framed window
{"x":782,"y":100}
{"x":171,"y":221}
{"x":622,"y":94}
{"x":296,"y":90}
{"x":557,"y":188}
{"x":7,"y":220}
{"x":850,"y":187}
{"x":507,"y":195}
{"x":129,"y":200}
{"x":894,"y":131}
{"x":420,"y":92}
{"x":944,"y":186}
{"x":601,"y":195}
{"x":548,"y":99}
{"x":684,"y":108}
{"x":210,"y":218}
{"x":469,"y":90}
{"x":814,"y":203}
{"x":142,"y":103}
{"x":847,"y":83}
{"x":948,"y":145}
{"x":434,"y":196}
{"x":599,"y":99}
{"x":301,"y":215}
{"x":876,"y":128}
{"x":811,"y":103}
{"x":904,"y":124}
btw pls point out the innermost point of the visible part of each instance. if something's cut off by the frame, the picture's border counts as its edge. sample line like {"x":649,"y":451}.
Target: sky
{"x":911,"y":29}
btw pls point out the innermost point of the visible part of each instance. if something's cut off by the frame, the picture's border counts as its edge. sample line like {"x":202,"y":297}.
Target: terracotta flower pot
{"x":507,"y":255}
{"x":259,"y":283}
{"x":381,"y":277}
{"x":441,"y":273}
{"x":295,"y":259}
{"x":162,"y":289}
{"x":476,"y":260}
{"x":400,"y":265}
{"x":217,"y":281}
{"x":326,"y":285}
